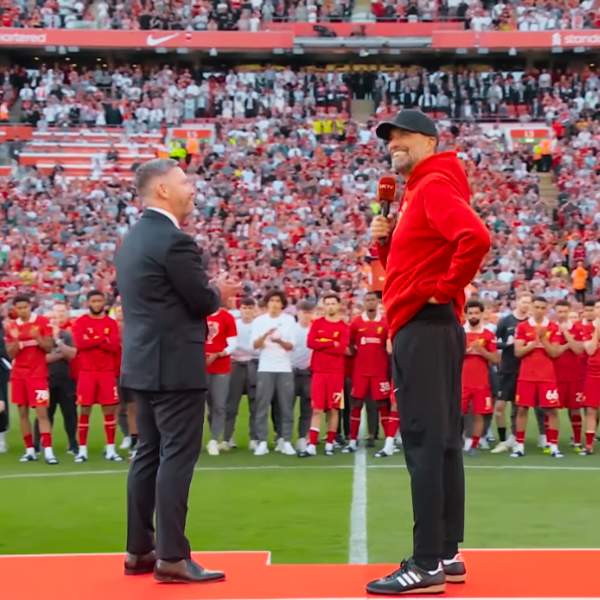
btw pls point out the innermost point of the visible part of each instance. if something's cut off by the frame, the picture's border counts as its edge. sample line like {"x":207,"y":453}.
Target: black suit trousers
{"x":170,"y":437}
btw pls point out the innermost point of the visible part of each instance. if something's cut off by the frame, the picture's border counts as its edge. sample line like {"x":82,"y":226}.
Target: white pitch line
{"x":51,"y":473}
{"x":358,"y":553}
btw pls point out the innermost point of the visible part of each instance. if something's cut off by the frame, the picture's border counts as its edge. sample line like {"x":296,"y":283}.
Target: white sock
{"x":520,"y":448}
{"x":511,"y":440}
{"x":352,"y":444}
{"x":48,"y":452}
{"x":110,"y":449}
{"x":2,"y":437}
{"x":312,"y":448}
{"x":30,"y":451}
{"x":553,"y":448}
{"x":468,"y":444}
{"x":83,"y":451}
{"x":543,"y":440}
{"x":328,"y":447}
{"x":388,"y":447}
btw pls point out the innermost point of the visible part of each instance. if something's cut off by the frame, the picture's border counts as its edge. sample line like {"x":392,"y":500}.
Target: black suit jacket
{"x":166,"y":299}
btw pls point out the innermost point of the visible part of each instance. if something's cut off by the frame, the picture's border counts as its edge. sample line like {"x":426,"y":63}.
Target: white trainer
{"x":288,"y":449}
{"x":213,"y":448}
{"x":261,"y":449}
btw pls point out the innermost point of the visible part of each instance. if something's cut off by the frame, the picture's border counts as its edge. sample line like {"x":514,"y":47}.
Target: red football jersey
{"x":30,"y":361}
{"x":568,"y":365}
{"x":221,"y":326}
{"x":537,"y":366}
{"x":370,"y":338}
{"x":593,"y":361}
{"x":97,"y":342}
{"x":328,"y":340}
{"x":476,"y":369}
{"x":585,"y":329}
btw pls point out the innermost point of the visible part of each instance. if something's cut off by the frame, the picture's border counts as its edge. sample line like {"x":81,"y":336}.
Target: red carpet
{"x":491,"y":574}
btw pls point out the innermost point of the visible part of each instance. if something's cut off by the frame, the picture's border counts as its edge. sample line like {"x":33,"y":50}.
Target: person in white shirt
{"x":301,"y":355}
{"x":273,"y":335}
{"x":244,"y":363}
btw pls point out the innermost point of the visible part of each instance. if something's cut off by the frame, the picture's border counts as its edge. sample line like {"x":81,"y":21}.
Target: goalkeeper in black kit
{"x":509,"y":372}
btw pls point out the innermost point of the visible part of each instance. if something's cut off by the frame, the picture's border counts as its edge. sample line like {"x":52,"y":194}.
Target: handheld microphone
{"x":386,"y":194}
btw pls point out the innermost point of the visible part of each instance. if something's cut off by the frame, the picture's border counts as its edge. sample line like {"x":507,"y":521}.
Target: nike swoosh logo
{"x":152,"y":41}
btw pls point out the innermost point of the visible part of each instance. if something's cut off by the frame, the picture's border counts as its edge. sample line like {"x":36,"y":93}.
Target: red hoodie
{"x":438,"y":244}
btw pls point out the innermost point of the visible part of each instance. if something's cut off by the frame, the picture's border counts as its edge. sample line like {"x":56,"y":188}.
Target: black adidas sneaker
{"x":410,"y":579}
{"x":455,"y":569}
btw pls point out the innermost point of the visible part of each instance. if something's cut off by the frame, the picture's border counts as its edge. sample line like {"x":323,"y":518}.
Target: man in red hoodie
{"x":430,"y":256}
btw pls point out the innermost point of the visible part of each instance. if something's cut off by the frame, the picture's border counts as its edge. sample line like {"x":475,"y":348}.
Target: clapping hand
{"x":228,"y":286}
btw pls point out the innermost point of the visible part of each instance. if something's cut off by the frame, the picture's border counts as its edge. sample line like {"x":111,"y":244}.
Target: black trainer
{"x":410,"y":579}
{"x":455,"y":569}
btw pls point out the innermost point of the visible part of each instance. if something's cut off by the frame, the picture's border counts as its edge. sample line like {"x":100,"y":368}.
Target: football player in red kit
{"x":368,"y":341}
{"x":97,"y":340}
{"x":28,"y":341}
{"x":481,"y":352}
{"x":328,"y":338}
{"x":591,"y":386}
{"x":569,"y":368}
{"x":536,"y":346}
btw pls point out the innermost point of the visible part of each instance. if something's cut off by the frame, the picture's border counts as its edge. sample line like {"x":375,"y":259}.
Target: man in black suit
{"x":166,"y":298}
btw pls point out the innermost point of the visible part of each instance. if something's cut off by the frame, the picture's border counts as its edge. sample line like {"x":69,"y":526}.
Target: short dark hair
{"x":540,"y":299}
{"x":330,"y":296}
{"x":474,"y":303}
{"x":590,"y":302}
{"x":247,"y":301}
{"x":21,"y":298}
{"x":93,"y":293}
{"x":145,"y":173}
{"x":306,"y":306}
{"x":563,"y":302}
{"x":276,"y":294}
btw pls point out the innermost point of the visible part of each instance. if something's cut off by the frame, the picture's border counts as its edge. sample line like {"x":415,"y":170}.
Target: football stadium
{"x":270,"y":108}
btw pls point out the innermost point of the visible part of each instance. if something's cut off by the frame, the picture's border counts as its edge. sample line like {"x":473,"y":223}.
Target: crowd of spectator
{"x":286,"y":192}
{"x":164,"y":95}
{"x":249,"y":15}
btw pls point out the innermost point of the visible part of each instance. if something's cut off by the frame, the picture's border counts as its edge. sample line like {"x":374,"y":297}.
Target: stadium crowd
{"x":286,"y":192}
{"x":149,"y":99}
{"x":252,"y":15}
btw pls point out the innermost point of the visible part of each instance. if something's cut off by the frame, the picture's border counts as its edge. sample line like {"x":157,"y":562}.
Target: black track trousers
{"x":427,"y":371}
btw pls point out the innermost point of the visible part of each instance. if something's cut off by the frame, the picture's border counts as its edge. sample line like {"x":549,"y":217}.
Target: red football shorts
{"x":97,"y":388}
{"x":481,"y":401}
{"x":377,"y":387}
{"x":30,"y":392}
{"x":327,"y":391}
{"x":537,"y":393}
{"x":591,"y":393}
{"x":570,"y":394}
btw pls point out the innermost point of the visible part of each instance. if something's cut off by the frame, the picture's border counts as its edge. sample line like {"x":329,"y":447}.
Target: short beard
{"x":96,"y":312}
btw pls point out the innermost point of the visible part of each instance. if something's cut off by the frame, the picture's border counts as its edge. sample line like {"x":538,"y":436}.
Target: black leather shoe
{"x":136,"y":564}
{"x":184,"y":571}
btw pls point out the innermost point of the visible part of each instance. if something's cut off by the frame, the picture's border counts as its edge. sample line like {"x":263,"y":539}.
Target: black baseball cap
{"x":410,"y":120}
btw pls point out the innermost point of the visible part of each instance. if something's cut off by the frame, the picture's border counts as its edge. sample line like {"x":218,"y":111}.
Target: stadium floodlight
{"x":483,"y":50}
{"x":213,"y":52}
{"x":298,"y":50}
{"x":579,"y":50}
{"x":556,"y":50}
{"x":461,"y":51}
{"x":278,"y":51}
{"x":512,"y":52}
